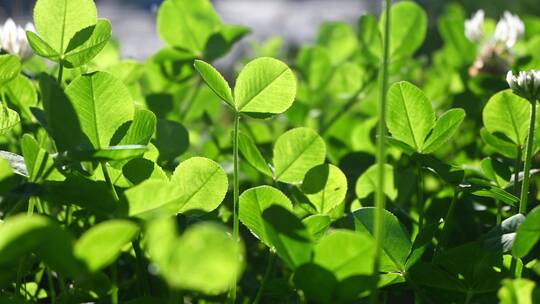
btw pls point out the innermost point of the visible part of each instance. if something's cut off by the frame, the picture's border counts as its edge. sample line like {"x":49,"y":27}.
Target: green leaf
{"x":342,"y":263}
{"x":87,"y":43}
{"x":202,"y":182}
{"x":410,"y":115}
{"x":204,"y":259}
{"x":102,"y":104}
{"x":8,"y":119}
{"x":153,"y":198}
{"x":10,"y":67}
{"x":23,"y":234}
{"x":346,"y":81}
{"x":252,"y":204}
{"x":220,"y":43}
{"x":42,"y":48}
{"x":22,"y":93}
{"x":139,"y":170}
{"x":265,"y":86}
{"x":141,"y":129}
{"x":39,"y":163}
{"x":317,"y":225}
{"x":57,"y":22}
{"x":288,"y":235}
{"x":356,"y":252}
{"x":340,"y":40}
{"x":369,"y":38}
{"x":367,"y":182}
{"x":444,"y":129}
{"x":101,"y":245}
{"x":112,"y":153}
{"x":252,"y":154}
{"x":315,"y":64}
{"x":215,"y":81}
{"x":187,"y":24}
{"x":408,"y":29}
{"x":295,"y":153}
{"x":528,"y":234}
{"x":502,"y":146}
{"x":60,"y":115}
{"x":171,"y":139}
{"x":395,"y":241}
{"x":325,"y":186}
{"x":519,"y":291}
{"x":16,"y":163}
{"x":507,"y":114}
{"x":501,"y":237}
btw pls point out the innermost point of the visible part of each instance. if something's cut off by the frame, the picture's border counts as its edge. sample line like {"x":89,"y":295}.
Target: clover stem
{"x":109,"y":181}
{"x":528,"y":160}
{"x":236,"y":190}
{"x":141,"y":272}
{"x":517,"y":166}
{"x":445,"y":230}
{"x":114,"y":289}
{"x":60,"y":72}
{"x":420,"y":198}
{"x":381,"y":153}
{"x":52,"y":291}
{"x":267,"y":273}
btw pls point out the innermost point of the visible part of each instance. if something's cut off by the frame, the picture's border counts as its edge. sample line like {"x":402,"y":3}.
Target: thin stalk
{"x":445,"y":230}
{"x":52,"y":291}
{"x":381,"y":152}
{"x":517,"y":167}
{"x":60,"y":72}
{"x":176,"y":297}
{"x":267,"y":273}
{"x":141,"y":272}
{"x":420,"y":198}
{"x":236,"y":191}
{"x":528,"y":161}
{"x":114,"y":291}
{"x":31,"y":205}
{"x":109,"y":181}
{"x":499,"y":211}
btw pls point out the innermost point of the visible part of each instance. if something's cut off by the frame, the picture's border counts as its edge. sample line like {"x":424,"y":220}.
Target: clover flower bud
{"x":13,"y":39}
{"x":473,"y":27}
{"x":525,"y":84}
{"x":509,"y":29}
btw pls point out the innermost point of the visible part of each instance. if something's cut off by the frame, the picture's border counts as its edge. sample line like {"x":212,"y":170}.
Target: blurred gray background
{"x":295,"y":20}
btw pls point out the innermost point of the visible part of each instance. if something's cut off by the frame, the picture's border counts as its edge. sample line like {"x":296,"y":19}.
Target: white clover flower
{"x":525,"y":84}
{"x":509,"y":29}
{"x":13,"y":39}
{"x":473,"y":27}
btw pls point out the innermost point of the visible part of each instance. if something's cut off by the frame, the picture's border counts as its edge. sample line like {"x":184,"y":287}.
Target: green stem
{"x":517,"y":167}
{"x":114,"y":291}
{"x":381,"y":152}
{"x":109,"y":181}
{"x":236,"y":191}
{"x":52,"y":291}
{"x":528,"y":161}
{"x":420,"y":198}
{"x":499,"y":211}
{"x":142,"y":274}
{"x":60,"y":72}
{"x":267,"y":272}
{"x":445,"y":230}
